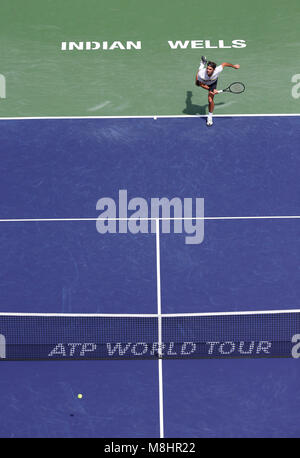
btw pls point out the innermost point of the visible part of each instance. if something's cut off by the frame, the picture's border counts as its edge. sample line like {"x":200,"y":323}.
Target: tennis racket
{"x":235,"y":88}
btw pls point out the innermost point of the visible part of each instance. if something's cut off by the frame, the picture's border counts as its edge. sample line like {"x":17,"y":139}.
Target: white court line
{"x":40,"y":220}
{"x":148,"y":116}
{"x":150,"y":315}
{"x":157,"y":231}
{"x":160,"y":373}
{"x":161,"y":400}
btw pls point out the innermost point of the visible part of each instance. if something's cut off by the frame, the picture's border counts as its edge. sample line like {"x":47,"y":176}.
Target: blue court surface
{"x":59,"y":169}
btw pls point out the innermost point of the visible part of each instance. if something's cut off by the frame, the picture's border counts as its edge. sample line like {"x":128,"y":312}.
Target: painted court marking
{"x":148,"y":116}
{"x":40,"y":220}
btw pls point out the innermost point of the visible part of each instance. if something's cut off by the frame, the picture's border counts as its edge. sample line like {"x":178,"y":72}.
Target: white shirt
{"x":203,"y":77}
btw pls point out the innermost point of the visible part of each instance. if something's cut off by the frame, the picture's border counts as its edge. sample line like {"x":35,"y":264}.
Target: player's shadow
{"x":192,"y":109}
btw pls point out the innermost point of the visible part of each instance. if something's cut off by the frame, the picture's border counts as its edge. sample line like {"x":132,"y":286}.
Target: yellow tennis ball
{"x":79,"y":396}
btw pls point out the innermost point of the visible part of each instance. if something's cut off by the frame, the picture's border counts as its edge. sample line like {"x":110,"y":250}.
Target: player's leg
{"x":203,"y":62}
{"x":211,"y":103}
{"x":211,"y":106}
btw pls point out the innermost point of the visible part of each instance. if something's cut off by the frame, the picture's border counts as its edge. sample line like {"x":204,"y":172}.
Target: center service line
{"x":160,"y":374}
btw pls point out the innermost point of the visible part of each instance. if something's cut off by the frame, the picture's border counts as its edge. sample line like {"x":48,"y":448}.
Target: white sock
{"x":210,"y":114}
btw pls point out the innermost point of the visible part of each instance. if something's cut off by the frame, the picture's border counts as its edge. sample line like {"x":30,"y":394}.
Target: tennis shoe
{"x":209,"y":121}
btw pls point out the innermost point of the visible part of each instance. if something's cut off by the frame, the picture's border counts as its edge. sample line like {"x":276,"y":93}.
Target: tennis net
{"x":261,"y":334}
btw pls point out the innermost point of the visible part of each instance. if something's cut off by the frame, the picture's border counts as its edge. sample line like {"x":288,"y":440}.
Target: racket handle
{"x":219,"y":92}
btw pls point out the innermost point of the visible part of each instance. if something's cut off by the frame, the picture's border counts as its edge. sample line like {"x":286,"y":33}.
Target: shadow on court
{"x":193,"y":109}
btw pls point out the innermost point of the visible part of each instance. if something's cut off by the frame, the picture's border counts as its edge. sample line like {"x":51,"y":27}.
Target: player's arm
{"x":198,"y":83}
{"x":226,"y":64}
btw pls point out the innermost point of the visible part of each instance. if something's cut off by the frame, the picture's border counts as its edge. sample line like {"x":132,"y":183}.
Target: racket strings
{"x":237,"y":87}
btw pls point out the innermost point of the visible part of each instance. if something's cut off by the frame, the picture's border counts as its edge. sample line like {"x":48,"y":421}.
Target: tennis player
{"x":208,"y":79}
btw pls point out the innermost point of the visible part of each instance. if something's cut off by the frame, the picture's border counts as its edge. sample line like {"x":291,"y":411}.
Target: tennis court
{"x":180,"y":331}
